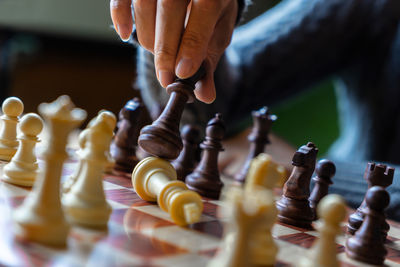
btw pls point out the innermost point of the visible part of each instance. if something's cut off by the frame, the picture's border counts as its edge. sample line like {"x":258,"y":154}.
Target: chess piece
{"x":246,"y":213}
{"x":375,"y":175}
{"x":154,"y":179}
{"x":41,"y":218}
{"x":23,"y":167}
{"x":294,"y":207}
{"x":325,"y":170}
{"x":12,"y":108}
{"x":85,"y":204}
{"x":263,"y":172}
{"x":366,"y":244}
{"x":258,"y":138}
{"x":162,"y":138}
{"x":205,"y":178}
{"x":332,"y":211}
{"x":186,"y":162}
{"x":123,"y":148}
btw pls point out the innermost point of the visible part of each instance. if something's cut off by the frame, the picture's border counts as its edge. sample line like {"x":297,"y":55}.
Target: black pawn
{"x":187,"y":160}
{"x":258,"y":138}
{"x":294,"y":207}
{"x":205,"y":179}
{"x":375,"y":175}
{"x":367,"y":244}
{"x":325,"y":170}
{"x":123,"y":148}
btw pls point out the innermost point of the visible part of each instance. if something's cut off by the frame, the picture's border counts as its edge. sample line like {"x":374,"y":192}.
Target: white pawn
{"x":85,"y":204}
{"x":23,"y":167}
{"x":331,"y":211}
{"x":12,"y":108}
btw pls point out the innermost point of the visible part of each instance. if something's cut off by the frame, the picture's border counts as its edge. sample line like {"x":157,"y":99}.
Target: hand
{"x":181,"y":34}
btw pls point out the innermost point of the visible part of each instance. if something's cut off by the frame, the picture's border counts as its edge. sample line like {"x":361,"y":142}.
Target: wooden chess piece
{"x":12,"y":108}
{"x":375,"y":175}
{"x":162,"y":138}
{"x":23,"y":167}
{"x":294,"y":207}
{"x":154,"y":179}
{"x":123,"y":148}
{"x":258,"y":138}
{"x":246,"y":212}
{"x":325,"y":170}
{"x":366,"y":244}
{"x":85,"y":204}
{"x":41,"y":218}
{"x":186,"y":162}
{"x":332,"y":211}
{"x":205,"y":178}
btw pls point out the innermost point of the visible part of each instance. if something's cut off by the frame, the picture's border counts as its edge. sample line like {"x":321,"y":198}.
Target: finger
{"x":121,"y":16}
{"x":205,"y":89}
{"x":199,"y":29}
{"x":145,"y":20}
{"x":170,"y":21}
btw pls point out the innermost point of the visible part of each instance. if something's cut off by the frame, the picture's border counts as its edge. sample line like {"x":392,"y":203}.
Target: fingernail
{"x":165,"y":77}
{"x":123,"y":31}
{"x":184,"y":68}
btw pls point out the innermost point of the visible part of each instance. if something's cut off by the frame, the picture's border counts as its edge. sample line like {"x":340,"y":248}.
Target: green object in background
{"x":311,"y":116}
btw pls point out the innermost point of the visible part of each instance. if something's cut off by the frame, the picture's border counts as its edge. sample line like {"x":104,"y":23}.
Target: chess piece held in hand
{"x":85,"y":204}
{"x":23,"y":167}
{"x":154,"y":179}
{"x":12,"y":108}
{"x":162,"y":138}
{"x":41,"y":218}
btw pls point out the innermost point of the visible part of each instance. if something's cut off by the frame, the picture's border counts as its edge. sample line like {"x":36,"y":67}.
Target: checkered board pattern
{"x":140,"y":234}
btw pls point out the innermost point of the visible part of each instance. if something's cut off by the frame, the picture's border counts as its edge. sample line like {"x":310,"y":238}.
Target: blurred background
{"x":54,"y":47}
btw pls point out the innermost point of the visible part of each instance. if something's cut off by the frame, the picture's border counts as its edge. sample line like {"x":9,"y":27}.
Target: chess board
{"x":140,"y":234}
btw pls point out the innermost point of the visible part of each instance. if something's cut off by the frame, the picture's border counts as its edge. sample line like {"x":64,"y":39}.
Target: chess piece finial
{"x":12,"y":108}
{"x":23,"y":167}
{"x":325,"y":170}
{"x":85,"y":204}
{"x":294,"y":207}
{"x":205,"y":179}
{"x":366,"y":244}
{"x":375,"y":175}
{"x":154,"y":179}
{"x":162,"y":138}
{"x":41,"y":218}
{"x":331,"y":211}
{"x":186,"y":162}
{"x":123,"y":148}
{"x":264,"y":172}
{"x":258,"y":138}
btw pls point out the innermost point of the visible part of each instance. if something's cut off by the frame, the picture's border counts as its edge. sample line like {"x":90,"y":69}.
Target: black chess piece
{"x":205,"y":179}
{"x":258,"y":138}
{"x":375,"y":175}
{"x":162,"y":138}
{"x":367,"y":244}
{"x":294,"y":207}
{"x":124,"y":145}
{"x":187,"y":160}
{"x":325,"y":170}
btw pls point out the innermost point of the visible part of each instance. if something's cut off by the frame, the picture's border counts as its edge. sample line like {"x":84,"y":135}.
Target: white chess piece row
{"x":42,"y":218}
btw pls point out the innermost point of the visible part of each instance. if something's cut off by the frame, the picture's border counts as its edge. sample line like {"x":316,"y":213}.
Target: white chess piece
{"x":41,"y":218}
{"x":85,"y":204}
{"x":331,"y":211}
{"x":12,"y":108}
{"x":23,"y":167}
{"x":247,"y":212}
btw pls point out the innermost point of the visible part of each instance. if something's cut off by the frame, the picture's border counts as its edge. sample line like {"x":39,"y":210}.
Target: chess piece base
{"x":295,"y":212}
{"x":357,"y":251}
{"x":6,"y":152}
{"x":206,"y":187}
{"x":23,"y":176}
{"x":88,"y":216}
